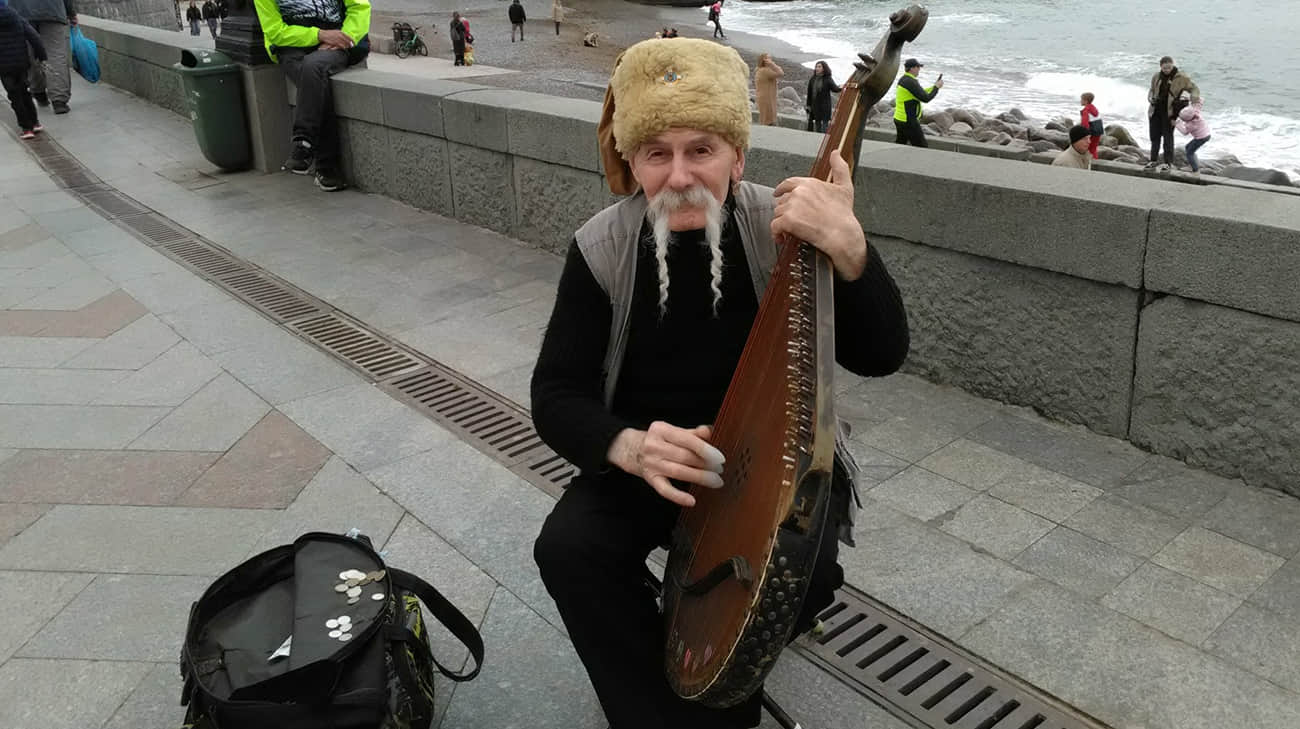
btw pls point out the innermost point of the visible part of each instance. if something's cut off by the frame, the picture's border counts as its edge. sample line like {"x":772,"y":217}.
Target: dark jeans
{"x":212,"y":27}
{"x":313,"y":118}
{"x":20,"y":98}
{"x":194,"y":27}
{"x":459,"y":50}
{"x":591,"y":553}
{"x":910,"y":132}
{"x":717,"y":29}
{"x":519,"y":27}
{"x":1192,"y":146}
{"x":1161,"y":129}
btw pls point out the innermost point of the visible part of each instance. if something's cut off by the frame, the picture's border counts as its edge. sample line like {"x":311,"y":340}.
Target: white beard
{"x":657,"y":213}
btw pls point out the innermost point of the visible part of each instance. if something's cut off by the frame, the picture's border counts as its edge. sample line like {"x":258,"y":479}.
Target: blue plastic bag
{"x":85,"y":55}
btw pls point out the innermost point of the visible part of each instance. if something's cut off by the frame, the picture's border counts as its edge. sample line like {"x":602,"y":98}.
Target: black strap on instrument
{"x":448,"y":615}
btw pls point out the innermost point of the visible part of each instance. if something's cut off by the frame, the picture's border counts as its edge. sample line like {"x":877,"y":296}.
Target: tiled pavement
{"x":154,"y":432}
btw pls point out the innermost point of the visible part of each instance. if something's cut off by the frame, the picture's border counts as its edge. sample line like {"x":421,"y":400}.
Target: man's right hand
{"x":938,"y":84}
{"x":666,"y":452}
{"x":335,"y":39}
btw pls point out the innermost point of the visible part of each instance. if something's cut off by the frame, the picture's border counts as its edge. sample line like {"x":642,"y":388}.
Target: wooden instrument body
{"x":777,"y":429}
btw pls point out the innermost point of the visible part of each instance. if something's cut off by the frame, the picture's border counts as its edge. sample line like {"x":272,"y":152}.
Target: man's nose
{"x":680,"y":176}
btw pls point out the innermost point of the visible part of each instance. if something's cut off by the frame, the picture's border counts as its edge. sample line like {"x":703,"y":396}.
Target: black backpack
{"x":318,"y":633}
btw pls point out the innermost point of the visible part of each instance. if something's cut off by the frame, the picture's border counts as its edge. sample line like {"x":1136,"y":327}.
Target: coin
{"x":377,"y":596}
{"x":379,"y":574}
{"x":345,"y":619}
{"x":354,"y":591}
{"x":331,"y":623}
{"x":345,"y":637}
{"x":335,"y":633}
{"x":353,"y":600}
{"x":364,"y":581}
{"x":341,"y":587}
{"x":352,"y":582}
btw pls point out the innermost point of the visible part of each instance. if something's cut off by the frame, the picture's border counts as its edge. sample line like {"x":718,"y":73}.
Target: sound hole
{"x":739,"y":468}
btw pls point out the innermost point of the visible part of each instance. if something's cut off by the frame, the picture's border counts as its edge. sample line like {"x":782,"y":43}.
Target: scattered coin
{"x":331,"y":623}
{"x":378,"y":575}
{"x":345,"y":618}
{"x":353,"y":600}
{"x":345,"y":574}
{"x":377,"y":596}
{"x":353,"y":582}
{"x":341,"y":587}
{"x":345,"y":637}
{"x":335,"y":633}
{"x":364,"y":581}
{"x":354,"y":591}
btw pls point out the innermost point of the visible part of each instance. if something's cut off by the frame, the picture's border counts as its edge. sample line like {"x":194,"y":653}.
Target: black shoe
{"x":329,"y":181}
{"x":42,"y":99}
{"x":60,"y":107}
{"x":300,"y":158}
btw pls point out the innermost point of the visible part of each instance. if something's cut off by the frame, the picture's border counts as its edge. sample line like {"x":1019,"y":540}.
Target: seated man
{"x":313,"y":41}
{"x":651,"y":315}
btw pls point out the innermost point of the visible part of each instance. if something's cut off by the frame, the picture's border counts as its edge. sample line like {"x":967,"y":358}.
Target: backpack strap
{"x":447,"y":614}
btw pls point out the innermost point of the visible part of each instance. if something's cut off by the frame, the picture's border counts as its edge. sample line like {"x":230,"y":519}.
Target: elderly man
{"x":652,"y":312}
{"x":1076,"y":155}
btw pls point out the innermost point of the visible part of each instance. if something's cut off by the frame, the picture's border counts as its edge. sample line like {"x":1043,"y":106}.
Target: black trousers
{"x":458,"y":50}
{"x":591,"y":553}
{"x":1161,"y":130}
{"x":910,"y":132}
{"x":20,"y":98}
{"x":313,"y":118}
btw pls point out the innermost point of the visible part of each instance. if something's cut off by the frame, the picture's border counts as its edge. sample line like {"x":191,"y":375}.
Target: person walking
{"x":16,"y":36}
{"x":766,"y":74}
{"x":50,"y":80}
{"x":557,"y":14}
{"x":1191,"y":123}
{"x":908,"y":101}
{"x":211,"y":15}
{"x":517,"y":19}
{"x":715,"y":15}
{"x":194,"y":16}
{"x":1076,"y":155}
{"x":1167,"y":85}
{"x":818,"y":103}
{"x":458,"y":35}
{"x":1090,"y":119}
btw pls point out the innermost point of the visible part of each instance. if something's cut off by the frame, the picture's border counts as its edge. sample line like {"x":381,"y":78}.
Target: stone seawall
{"x":1164,"y":313}
{"x":151,"y":13}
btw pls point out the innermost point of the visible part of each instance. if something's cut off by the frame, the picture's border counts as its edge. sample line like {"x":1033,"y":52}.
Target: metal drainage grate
{"x":923,"y":678}
{"x":76,"y":179}
{"x":482,"y":418}
{"x":282,"y":302}
{"x":155,"y":229}
{"x":111,"y":203}
{"x":357,"y":346}
{"x":204,"y":258}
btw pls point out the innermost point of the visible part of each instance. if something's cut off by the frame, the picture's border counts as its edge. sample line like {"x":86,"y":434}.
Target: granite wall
{"x":1163,"y":313}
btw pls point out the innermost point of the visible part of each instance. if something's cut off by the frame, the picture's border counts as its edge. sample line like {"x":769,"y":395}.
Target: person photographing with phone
{"x":908,"y":102}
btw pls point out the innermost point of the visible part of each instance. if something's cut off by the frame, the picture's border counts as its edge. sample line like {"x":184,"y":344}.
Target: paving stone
{"x":1129,"y":526}
{"x":935,"y":578}
{"x":137,"y":539}
{"x":169,"y":380}
{"x":64,"y":694}
{"x":473,"y":502}
{"x":534,"y":678}
{"x":165,"y":293}
{"x":129,"y":348}
{"x":53,"y":267}
{"x":874,"y":466}
{"x":33,"y":255}
{"x":971,"y":464}
{"x":514,"y":385}
{"x":121,"y":618}
{"x":376,"y":430}
{"x":1178,"y":606}
{"x":337,"y":499}
{"x":127,"y":264}
{"x":100,"y":239}
{"x":288,"y":369}
{"x":73,"y":426}
{"x":1044,"y":492}
{"x":11,"y":297}
{"x":517,"y":572}
{"x":22,"y":236}
{"x":155,"y":702}
{"x":212,"y":420}
{"x":72,"y":295}
{"x":1216,"y":560}
{"x":100,"y":477}
{"x":910,"y":438}
{"x":1269,"y":520}
{"x":469,"y":347}
{"x":1069,"y":648}
{"x":22,"y":386}
{"x":1281,"y":593}
{"x":266,"y":469}
{"x":97,"y":319}
{"x":1266,"y":644}
{"x":44,"y":202}
{"x":996,"y":526}
{"x":1069,"y":450}
{"x":418,"y":550}
{"x":922,"y":494}
{"x":815,"y":698}
{"x":221,"y":326}
{"x":1078,"y":562}
{"x":1175,"y":489}
{"x":42,"y":595}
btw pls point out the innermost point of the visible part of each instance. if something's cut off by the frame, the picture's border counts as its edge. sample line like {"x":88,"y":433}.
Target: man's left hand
{"x":821,"y":213}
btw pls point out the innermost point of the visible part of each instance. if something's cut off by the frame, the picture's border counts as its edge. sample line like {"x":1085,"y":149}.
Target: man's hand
{"x":72,"y":19}
{"x":821,"y":213}
{"x":938,"y":84}
{"x":335,"y":39}
{"x":666,"y":452}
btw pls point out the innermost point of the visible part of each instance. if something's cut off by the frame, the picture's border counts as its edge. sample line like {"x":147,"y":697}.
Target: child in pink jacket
{"x":1191,"y":123}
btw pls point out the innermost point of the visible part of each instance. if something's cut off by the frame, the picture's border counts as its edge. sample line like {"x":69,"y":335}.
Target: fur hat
{"x":661,"y":84}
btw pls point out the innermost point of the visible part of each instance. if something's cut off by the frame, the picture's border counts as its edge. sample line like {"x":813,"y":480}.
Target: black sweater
{"x":677,"y":369}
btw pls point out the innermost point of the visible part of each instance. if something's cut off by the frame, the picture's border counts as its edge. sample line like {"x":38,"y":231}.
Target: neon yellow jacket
{"x":356,"y":24}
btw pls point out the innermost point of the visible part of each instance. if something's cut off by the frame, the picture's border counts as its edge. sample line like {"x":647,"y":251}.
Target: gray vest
{"x":608,"y":243}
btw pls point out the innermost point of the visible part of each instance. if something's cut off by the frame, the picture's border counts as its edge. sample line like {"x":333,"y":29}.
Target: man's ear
{"x":738,"y":168}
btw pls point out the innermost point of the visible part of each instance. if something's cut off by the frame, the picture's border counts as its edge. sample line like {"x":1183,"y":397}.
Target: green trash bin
{"x":215,"y":97}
